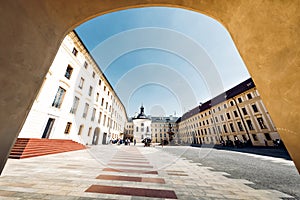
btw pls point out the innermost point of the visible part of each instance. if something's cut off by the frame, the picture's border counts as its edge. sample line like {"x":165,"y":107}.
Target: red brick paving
{"x":144,"y":192}
{"x":131,"y":178}
{"x":129,"y":171}
{"x":126,"y":165}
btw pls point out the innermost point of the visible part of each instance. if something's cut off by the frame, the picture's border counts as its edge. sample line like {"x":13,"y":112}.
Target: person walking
{"x":134,"y":142}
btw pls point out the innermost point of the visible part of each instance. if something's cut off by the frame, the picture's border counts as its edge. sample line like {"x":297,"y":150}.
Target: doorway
{"x":104,"y":138}
{"x":96,"y":136}
{"x":48,"y":128}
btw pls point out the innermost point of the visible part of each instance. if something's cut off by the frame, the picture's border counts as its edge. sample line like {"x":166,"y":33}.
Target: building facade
{"x":75,"y":101}
{"x":236,"y":115}
{"x":155,"y":128}
{"x":141,"y":126}
{"x":163,"y":127}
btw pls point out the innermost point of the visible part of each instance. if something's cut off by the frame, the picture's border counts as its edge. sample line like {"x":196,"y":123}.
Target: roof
{"x":238,"y":89}
{"x":164,"y":119}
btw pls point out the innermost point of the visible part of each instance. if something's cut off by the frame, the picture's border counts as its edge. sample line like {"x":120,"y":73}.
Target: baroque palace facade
{"x":155,"y":128}
{"x":236,"y":115}
{"x":76,"y":101}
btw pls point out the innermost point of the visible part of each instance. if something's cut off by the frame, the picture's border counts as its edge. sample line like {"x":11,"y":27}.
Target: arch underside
{"x":264,"y":32}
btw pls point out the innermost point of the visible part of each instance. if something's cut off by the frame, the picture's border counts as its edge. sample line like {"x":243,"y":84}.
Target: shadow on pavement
{"x":264,"y":151}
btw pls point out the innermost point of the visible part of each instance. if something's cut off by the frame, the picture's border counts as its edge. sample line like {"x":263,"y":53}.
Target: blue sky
{"x":169,"y":59}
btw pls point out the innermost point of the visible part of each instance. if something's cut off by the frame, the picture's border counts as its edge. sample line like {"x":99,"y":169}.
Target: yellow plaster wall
{"x":266,"y":33}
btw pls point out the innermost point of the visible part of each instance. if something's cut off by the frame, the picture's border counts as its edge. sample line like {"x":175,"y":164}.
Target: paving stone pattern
{"x":121,"y":172}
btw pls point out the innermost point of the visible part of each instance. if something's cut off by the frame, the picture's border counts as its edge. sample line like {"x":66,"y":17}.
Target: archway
{"x":265,"y":33}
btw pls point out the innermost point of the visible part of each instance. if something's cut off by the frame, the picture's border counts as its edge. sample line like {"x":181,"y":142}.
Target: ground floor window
{"x":68,"y":128}
{"x":254,"y":137}
{"x":268,"y":137}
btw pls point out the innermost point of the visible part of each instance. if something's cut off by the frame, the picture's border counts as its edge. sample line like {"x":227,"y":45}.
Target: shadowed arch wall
{"x":266,"y":33}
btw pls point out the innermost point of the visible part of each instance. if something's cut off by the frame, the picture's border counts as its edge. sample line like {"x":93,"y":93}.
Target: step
{"x":31,"y":147}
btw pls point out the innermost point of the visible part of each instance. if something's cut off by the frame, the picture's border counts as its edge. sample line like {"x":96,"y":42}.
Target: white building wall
{"x":140,"y":135}
{"x":42,"y":108}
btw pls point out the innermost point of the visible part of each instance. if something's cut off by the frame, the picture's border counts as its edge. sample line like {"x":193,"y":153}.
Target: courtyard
{"x":137,"y":172}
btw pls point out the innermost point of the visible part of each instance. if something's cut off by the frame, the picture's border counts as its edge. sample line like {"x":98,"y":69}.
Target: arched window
{"x":137,"y":129}
{"x":142,"y":124}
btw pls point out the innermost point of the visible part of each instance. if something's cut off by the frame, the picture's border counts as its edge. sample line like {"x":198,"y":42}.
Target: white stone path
{"x":67,"y":176}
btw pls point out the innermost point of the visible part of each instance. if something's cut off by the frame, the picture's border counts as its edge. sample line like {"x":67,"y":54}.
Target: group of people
{"x":119,"y":141}
{"x":236,"y":143}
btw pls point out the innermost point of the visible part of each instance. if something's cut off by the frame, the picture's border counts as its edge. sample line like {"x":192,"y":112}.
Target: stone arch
{"x":265,"y":33}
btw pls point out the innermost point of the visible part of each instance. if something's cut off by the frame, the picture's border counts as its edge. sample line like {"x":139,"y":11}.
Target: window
{"x":90,"y":130}
{"x":225,"y":128}
{"x":222,"y":118}
{"x":75,"y":105}
{"x":102,"y":101}
{"x":94,"y":74}
{"x":59,"y":97}
{"x":106,"y":105}
{"x":254,"y":108}
{"x":137,"y":129}
{"x":142,"y":124}
{"x":235,"y":113}
{"x":90,"y":91}
{"x":244,"y":111}
{"x":261,"y":123}
{"x":85,"y":111}
{"x":219,"y":108}
{"x":104,"y":119}
{"x":249,"y":123}
{"x":142,"y":129}
{"x":241,"y":128}
{"x":99,"y":82}
{"x":231,"y":103}
{"x":80,"y":129}
{"x":74,"y":51}
{"x":268,"y":137}
{"x":228,"y":115}
{"x":104,"y":88}
{"x":68,"y":72}
{"x":99,"y":118}
{"x":85,"y":65}
{"x":254,"y":137}
{"x":68,"y":128}
{"x":216,"y":119}
{"x":97,"y":96}
{"x":249,"y":96}
{"x":240,"y":100}
{"x":225,"y":106}
{"x":108,"y":93}
{"x":147,"y":128}
{"x":231,"y":127}
{"x":93,"y":114}
{"x":81,"y":83}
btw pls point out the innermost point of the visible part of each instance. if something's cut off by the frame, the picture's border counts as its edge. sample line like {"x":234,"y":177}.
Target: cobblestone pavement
{"x":121,"y":172}
{"x":266,"y":172}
